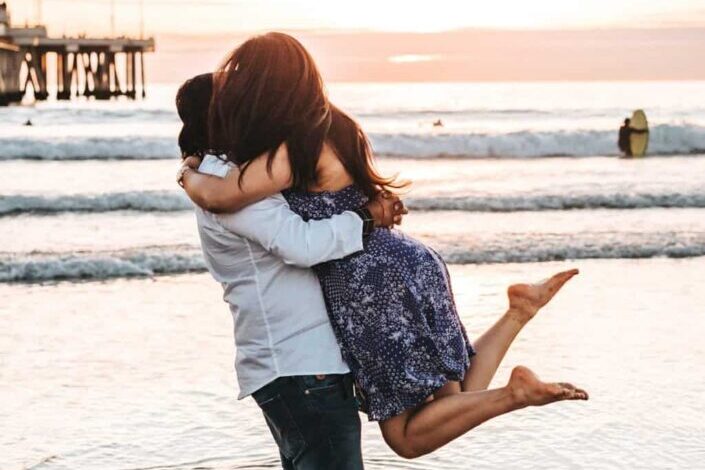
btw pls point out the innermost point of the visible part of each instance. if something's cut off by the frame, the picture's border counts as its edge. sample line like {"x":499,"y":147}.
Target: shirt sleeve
{"x":282,"y":232}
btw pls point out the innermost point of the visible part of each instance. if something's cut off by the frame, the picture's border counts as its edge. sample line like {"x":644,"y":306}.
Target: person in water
{"x":624,"y":142}
{"x":391,"y":305}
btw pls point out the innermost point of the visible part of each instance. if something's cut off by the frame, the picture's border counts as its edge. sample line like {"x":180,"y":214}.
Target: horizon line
{"x":338,"y":31}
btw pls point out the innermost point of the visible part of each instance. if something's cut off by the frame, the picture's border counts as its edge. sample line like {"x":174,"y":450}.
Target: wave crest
{"x":548,"y":202}
{"x":147,"y":201}
{"x":168,"y":201}
{"x":74,"y":266}
{"x":666,"y":139}
{"x":89,"y":148}
{"x":37,"y":267}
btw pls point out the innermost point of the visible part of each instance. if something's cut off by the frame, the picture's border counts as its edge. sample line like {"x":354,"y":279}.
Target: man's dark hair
{"x":192,"y":103}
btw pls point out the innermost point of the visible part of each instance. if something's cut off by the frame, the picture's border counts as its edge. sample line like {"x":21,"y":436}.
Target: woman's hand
{"x":192,"y":162}
{"x":387,"y":210}
{"x":187,"y":164}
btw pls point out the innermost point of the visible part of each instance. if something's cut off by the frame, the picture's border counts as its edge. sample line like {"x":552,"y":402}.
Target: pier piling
{"x":102,"y":68}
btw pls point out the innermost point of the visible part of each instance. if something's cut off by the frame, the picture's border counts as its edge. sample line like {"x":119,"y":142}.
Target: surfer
{"x":438,"y":123}
{"x":625,"y":138}
{"x":624,"y":143}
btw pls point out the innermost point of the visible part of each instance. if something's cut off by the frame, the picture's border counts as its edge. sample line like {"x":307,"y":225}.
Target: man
{"x":287,"y":356}
{"x":624,"y":142}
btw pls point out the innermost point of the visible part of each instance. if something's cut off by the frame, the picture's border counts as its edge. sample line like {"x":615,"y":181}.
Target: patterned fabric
{"x":392,"y":311}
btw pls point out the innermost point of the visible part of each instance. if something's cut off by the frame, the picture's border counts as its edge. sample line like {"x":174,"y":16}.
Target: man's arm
{"x":282,"y":232}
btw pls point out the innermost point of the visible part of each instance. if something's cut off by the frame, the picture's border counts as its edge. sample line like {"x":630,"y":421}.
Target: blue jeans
{"x":314,"y":421}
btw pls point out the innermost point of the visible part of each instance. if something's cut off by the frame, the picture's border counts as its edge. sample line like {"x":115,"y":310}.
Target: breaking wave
{"x":546,"y":202}
{"x":45,"y":267}
{"x":89,"y":148}
{"x":666,"y":139}
{"x":147,"y":201}
{"x":38,"y":267}
{"x":168,"y":201}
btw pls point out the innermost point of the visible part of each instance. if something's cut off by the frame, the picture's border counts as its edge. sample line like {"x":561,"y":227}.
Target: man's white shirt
{"x":262,"y":256}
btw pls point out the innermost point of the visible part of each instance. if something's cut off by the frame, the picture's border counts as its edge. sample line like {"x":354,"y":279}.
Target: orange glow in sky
{"x":418,"y":40}
{"x":219,"y":16}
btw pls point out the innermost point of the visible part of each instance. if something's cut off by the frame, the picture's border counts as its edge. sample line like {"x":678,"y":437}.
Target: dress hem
{"x":397,"y":410}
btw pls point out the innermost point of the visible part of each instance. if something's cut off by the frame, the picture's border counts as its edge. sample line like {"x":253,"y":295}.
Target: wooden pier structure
{"x":101,"y":68}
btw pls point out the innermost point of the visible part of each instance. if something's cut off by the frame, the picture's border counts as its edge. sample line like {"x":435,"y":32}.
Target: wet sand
{"x":137,"y":373}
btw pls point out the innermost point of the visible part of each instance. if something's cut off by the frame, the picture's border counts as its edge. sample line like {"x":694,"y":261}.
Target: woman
{"x":391,"y":306}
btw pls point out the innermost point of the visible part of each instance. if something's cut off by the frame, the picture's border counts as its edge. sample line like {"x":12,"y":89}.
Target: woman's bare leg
{"x":438,"y":422}
{"x":525,"y":300}
{"x":452,"y":412}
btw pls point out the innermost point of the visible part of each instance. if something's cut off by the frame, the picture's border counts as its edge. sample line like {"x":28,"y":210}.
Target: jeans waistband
{"x":305,"y":383}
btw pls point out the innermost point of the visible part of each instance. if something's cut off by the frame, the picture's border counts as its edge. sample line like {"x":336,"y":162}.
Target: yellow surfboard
{"x":639,"y":140}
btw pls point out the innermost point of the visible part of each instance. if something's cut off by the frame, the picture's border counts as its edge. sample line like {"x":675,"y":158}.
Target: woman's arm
{"x":229,"y":194}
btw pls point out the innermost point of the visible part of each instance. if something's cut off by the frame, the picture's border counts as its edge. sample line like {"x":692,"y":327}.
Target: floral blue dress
{"x":392,"y":310}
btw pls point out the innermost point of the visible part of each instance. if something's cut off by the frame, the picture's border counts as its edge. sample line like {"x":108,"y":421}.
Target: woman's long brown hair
{"x":269,"y":91}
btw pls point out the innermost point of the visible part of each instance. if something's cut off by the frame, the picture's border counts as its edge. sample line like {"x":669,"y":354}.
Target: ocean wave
{"x":523,"y":248}
{"x":435,"y":113}
{"x":666,"y":139}
{"x":105,"y":265}
{"x":171,"y":201}
{"x":144,"y":201}
{"x":517,"y":248}
{"x":89,"y":148}
{"x":548,"y":202}
{"x":72,"y":113}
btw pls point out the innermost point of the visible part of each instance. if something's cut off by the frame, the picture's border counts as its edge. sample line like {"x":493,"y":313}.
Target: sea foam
{"x":516,"y":248}
{"x":666,"y":139}
{"x":172,"y":201}
{"x":143,"y":201}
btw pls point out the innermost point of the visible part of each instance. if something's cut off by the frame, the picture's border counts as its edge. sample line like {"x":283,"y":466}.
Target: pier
{"x":102,"y":68}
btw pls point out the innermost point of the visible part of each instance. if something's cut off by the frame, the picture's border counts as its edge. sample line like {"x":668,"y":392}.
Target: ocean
{"x":116,"y":349}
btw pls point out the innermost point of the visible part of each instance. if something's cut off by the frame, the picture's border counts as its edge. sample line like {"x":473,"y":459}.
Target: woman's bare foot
{"x":528,"y":390}
{"x":525,"y":300}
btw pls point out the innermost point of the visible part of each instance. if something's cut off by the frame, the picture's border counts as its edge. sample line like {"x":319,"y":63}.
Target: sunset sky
{"x":397,"y":40}
{"x":214,"y":16}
